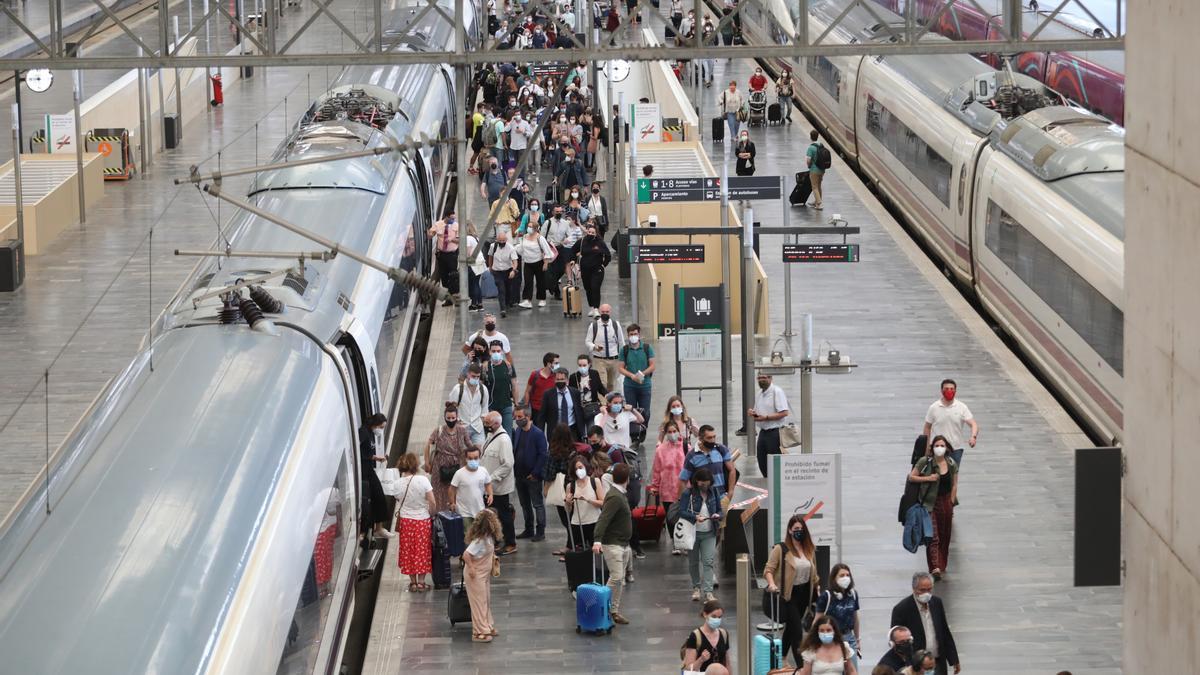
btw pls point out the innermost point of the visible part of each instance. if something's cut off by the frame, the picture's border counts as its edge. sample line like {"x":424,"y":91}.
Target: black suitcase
{"x":458,"y":605}
{"x":581,"y":564}
{"x":774,"y":114}
{"x":440,"y":560}
{"x":803,"y":189}
{"x":718,"y":129}
{"x":669,"y":32}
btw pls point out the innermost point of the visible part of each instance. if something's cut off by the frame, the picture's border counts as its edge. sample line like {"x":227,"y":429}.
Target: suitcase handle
{"x":597,"y":567}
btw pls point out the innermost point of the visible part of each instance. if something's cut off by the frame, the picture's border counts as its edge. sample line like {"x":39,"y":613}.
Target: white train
{"x":1022,"y":201}
{"x":203,"y":515}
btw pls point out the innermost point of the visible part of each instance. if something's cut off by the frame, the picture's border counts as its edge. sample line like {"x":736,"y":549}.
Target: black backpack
{"x":824,"y":158}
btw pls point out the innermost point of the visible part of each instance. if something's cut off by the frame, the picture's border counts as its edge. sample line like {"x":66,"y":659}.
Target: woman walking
{"x":584,"y":498}
{"x":824,"y":652}
{"x":416,"y":505}
{"x":535,"y":254}
{"x":444,"y":454}
{"x":677,"y":412}
{"x":668,"y":462}
{"x":840,"y":601}
{"x":745,"y":155}
{"x":938,"y":493}
{"x":708,"y":644}
{"x":562,"y":449}
{"x":593,"y":257}
{"x":701,"y":505}
{"x":791,"y":570}
{"x":478,"y":562}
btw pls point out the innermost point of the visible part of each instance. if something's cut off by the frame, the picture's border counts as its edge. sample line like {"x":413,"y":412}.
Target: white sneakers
{"x":695,"y":595}
{"x":526,"y":304}
{"x":594,"y":312}
{"x":541,"y":303}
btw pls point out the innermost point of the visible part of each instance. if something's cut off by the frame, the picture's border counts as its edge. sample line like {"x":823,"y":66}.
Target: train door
{"x":966,"y":154}
{"x":358,"y":353}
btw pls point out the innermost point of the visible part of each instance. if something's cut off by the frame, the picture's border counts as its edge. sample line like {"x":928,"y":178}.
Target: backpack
{"x":722,"y":634}
{"x":824,"y":159}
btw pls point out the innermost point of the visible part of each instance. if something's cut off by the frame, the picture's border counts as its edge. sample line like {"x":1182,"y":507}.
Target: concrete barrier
{"x":50,"y":194}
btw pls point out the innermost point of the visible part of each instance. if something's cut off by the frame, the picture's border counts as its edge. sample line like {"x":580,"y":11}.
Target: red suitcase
{"x":648,"y":520}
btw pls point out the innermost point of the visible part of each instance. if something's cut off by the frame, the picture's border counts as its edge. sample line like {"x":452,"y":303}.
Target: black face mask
{"x":561,"y":385}
{"x":490,"y":326}
{"x":597,"y":446}
{"x":523,"y":423}
{"x":604,"y":318}
{"x":595,"y":191}
{"x":905,"y":649}
{"x":451,"y":423}
{"x":708,"y":444}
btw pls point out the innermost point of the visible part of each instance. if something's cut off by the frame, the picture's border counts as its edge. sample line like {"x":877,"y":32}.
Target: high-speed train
{"x":1022,"y":200}
{"x":203,"y":515}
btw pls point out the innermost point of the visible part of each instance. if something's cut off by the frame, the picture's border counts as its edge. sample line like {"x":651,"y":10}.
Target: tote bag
{"x":684,"y":535}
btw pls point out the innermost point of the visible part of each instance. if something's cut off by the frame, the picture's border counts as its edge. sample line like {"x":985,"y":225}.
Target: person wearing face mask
{"x":508,"y":214}
{"x":472,"y":400}
{"x":924,"y":615}
{"x":947,"y":416}
{"x":488,"y":333}
{"x":414,"y":525}
{"x":668,"y":462}
{"x":924,"y":663}
{"x":532,"y":219}
{"x":540,"y":381}
{"x":614,"y":420}
{"x":471,"y":487}
{"x":840,"y":602}
{"x":557,"y":234}
{"x":370,"y":447}
{"x":497,"y":459}
{"x":613,"y":531}
{"x":535,"y":253}
{"x":731,"y":103}
{"x":604,"y":339}
{"x":520,"y":132}
{"x":769,"y":412}
{"x":562,"y":450}
{"x":563,"y":405}
{"x":676,"y":412}
{"x":444,"y":454}
{"x":504,"y":264}
{"x":758,"y":81}
{"x":700,"y":505}
{"x":937,"y":475}
{"x":583,"y":497}
{"x":591,"y":388}
{"x":637,"y":363}
{"x":571,"y":174}
{"x":711,"y":455}
{"x":784,"y":89}
{"x":824,"y":652}
{"x":492,"y":183}
{"x":501,"y":381}
{"x":745,"y":155}
{"x":791,"y":570}
{"x":445,"y":241}
{"x":531,"y":468}
{"x":478,"y":568}
{"x":575,"y":208}
{"x":900,"y":650}
{"x":709,"y":644}
{"x":593,"y":256}
{"x":597,"y":208}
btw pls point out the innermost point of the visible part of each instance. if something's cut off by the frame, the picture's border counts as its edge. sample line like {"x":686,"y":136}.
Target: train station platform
{"x":1009,"y":583}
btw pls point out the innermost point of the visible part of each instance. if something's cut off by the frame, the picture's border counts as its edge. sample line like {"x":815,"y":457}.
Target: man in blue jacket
{"x":530,"y":454}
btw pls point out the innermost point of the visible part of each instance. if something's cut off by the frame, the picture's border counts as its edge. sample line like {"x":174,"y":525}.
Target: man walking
{"x":472,"y":400}
{"x":946,"y":417}
{"x":923,"y":614}
{"x":731,"y":102}
{"x":563,"y":404}
{"x":769,"y":411}
{"x":612,"y":534}
{"x":530,"y":455}
{"x":637,"y":365}
{"x":445,"y":242}
{"x":471,"y":488}
{"x":715,"y":457}
{"x":604,"y":340}
{"x":501,"y":382}
{"x":816,"y":167}
{"x":498,"y":460}
{"x":503,"y":261}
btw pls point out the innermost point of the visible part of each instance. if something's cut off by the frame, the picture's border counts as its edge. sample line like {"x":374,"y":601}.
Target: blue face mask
{"x":714,"y":622}
{"x":497,"y":357}
{"x":472,"y":464}
{"x":615,"y":408}
{"x":826,"y":638}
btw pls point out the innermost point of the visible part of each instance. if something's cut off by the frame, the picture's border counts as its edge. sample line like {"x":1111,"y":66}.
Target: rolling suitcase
{"x":572,"y":294}
{"x":581,"y":565}
{"x":593,"y":603}
{"x":452,"y":528}
{"x":774,"y":114}
{"x":458,"y":605}
{"x":718,"y":129}
{"x":803,"y":189}
{"x":669,"y":32}
{"x":767,"y":652}
{"x":648,"y":520}
{"x":439,"y":560}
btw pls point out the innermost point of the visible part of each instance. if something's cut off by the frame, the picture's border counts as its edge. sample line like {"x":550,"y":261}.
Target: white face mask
{"x":581,"y":473}
{"x":844,"y":582}
{"x":677,"y":410}
{"x":924,"y":598}
{"x":634,"y":339}
{"x":939,"y":450}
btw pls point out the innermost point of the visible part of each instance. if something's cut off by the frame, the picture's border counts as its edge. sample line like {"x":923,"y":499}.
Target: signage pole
{"x":806,"y":376}
{"x":610,"y":186}
{"x":724,"y":365}
{"x":20,"y":202}
{"x":77,"y":92}
{"x":787,"y":271}
{"x":726,"y":308}
{"x":748,"y":379}
{"x":677,"y":298}
{"x":633,"y":217}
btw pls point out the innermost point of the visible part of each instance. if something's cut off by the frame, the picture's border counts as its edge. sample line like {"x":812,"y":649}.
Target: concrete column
{"x":1162,"y":343}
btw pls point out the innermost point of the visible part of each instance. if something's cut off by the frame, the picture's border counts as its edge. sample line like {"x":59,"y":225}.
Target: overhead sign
{"x":810,"y":486}
{"x":648,"y":122}
{"x":698,"y":307}
{"x":707,"y":189}
{"x":553,"y":68}
{"x":60,"y":133}
{"x":820,"y":253}
{"x":666,"y":253}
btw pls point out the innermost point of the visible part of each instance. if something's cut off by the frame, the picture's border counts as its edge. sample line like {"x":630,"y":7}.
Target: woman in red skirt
{"x":416,"y":503}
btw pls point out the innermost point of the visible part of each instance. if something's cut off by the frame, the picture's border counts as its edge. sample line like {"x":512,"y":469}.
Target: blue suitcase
{"x":453,"y":529}
{"x":593,"y":605}
{"x":768,"y":654}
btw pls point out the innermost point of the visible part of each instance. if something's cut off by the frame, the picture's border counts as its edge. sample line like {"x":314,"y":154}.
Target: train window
{"x":826,"y":74}
{"x":310,"y":625}
{"x":1099,"y":322}
{"x":921,"y":159}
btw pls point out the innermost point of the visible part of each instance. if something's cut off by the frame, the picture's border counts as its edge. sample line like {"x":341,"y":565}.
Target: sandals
{"x":414,"y":587}
{"x":481,"y":637}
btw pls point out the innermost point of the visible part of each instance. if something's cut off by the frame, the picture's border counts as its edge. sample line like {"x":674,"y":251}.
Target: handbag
{"x":389,"y":478}
{"x":684,"y":535}
{"x":743,"y":113}
{"x":495,"y":566}
{"x":446,"y":473}
{"x":789,"y":436}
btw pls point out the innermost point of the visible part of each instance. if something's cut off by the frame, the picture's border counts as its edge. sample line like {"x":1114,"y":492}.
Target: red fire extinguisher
{"x":218,"y":96}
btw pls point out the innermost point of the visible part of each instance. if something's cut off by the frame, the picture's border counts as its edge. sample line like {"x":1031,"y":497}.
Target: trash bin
{"x":172,"y":131}
{"x":12,"y":265}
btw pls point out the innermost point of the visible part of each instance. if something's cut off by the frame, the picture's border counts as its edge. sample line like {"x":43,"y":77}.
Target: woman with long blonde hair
{"x":478,"y":562}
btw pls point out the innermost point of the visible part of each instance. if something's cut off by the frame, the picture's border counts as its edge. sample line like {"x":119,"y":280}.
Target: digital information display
{"x":820,"y":253}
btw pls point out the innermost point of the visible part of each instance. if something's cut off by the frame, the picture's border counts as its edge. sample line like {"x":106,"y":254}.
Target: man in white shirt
{"x":947,"y":417}
{"x":769,"y":411}
{"x":604,"y":340}
{"x":503,"y":261}
{"x":520,"y":131}
{"x":498,"y":462}
{"x":489,"y":333}
{"x":472,"y":400}
{"x":471,"y":489}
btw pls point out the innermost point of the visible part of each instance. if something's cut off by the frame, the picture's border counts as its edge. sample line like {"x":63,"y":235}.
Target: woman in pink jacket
{"x":668,"y":462}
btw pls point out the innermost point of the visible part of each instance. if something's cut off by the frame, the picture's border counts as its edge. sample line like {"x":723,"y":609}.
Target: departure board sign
{"x":661,"y":190}
{"x":666,"y":253}
{"x":552,"y":68}
{"x":747,"y":187}
{"x":820,"y":253}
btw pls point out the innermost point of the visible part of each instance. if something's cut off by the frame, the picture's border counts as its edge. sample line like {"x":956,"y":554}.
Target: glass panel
{"x":826,"y":74}
{"x":914,"y":153}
